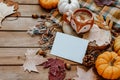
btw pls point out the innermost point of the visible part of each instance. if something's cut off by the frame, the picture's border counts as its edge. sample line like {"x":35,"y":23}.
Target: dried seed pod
{"x":35,"y":16}
{"x":68,"y":66}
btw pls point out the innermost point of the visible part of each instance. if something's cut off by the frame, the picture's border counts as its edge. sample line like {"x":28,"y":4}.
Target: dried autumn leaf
{"x":32,"y":60}
{"x":83,"y":75}
{"x":104,"y":2}
{"x":56,"y":69}
{"x":7,"y":8}
{"x":104,"y":24}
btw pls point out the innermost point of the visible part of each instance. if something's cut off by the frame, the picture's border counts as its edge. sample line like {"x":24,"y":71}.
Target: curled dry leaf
{"x":7,"y":7}
{"x":83,"y":75}
{"x":32,"y":60}
{"x":104,"y":24}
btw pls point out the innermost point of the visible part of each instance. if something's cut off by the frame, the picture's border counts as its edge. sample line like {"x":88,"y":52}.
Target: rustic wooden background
{"x":14,"y":41}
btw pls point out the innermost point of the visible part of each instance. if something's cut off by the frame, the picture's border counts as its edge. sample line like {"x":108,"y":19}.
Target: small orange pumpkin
{"x":108,"y":65}
{"x":117,"y":45}
{"x":48,"y":4}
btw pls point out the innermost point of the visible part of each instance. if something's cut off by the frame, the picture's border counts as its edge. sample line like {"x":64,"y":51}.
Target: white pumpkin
{"x":68,"y":5}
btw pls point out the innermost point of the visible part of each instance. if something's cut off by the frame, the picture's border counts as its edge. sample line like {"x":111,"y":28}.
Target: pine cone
{"x":88,"y":60}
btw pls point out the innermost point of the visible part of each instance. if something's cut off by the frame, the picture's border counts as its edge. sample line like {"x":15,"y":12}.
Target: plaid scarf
{"x":111,"y":11}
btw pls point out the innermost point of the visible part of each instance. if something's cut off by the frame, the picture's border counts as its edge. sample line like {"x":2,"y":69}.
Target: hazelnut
{"x":42,"y":53}
{"x":35,"y":16}
{"x":68,"y":66}
{"x":43,"y":16}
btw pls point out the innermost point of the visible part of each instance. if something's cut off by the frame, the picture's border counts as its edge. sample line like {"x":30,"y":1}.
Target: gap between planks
{"x":19,"y":60}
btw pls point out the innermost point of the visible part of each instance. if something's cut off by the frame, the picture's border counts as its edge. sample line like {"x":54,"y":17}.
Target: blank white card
{"x":69,"y":47}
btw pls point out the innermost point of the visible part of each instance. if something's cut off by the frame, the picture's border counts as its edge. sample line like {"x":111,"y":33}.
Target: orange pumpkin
{"x":48,"y":4}
{"x":108,"y":65}
{"x":117,"y":45}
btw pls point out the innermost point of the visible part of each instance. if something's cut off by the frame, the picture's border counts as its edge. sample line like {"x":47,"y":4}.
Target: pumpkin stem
{"x":112,"y":61}
{"x":69,"y":1}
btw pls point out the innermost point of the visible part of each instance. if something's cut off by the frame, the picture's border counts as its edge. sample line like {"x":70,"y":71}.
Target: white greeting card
{"x":69,"y":47}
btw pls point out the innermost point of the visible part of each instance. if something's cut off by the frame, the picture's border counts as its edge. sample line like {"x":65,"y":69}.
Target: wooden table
{"x":14,"y":41}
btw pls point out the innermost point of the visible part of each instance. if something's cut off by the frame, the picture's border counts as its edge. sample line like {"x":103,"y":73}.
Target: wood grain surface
{"x":14,"y":41}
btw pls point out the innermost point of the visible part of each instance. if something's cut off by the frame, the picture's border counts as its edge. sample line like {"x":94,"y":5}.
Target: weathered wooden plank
{"x":17,"y":73}
{"x":16,"y":60}
{"x":19,"y":24}
{"x":15,"y":56}
{"x":14,"y":51}
{"x":27,"y":1}
{"x":12,"y":60}
{"x":18,"y":39}
{"x":28,"y":10}
{"x":19,"y":60}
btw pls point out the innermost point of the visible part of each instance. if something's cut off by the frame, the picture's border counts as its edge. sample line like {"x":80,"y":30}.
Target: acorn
{"x":68,"y":66}
{"x":42,"y":53}
{"x":35,"y":16}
